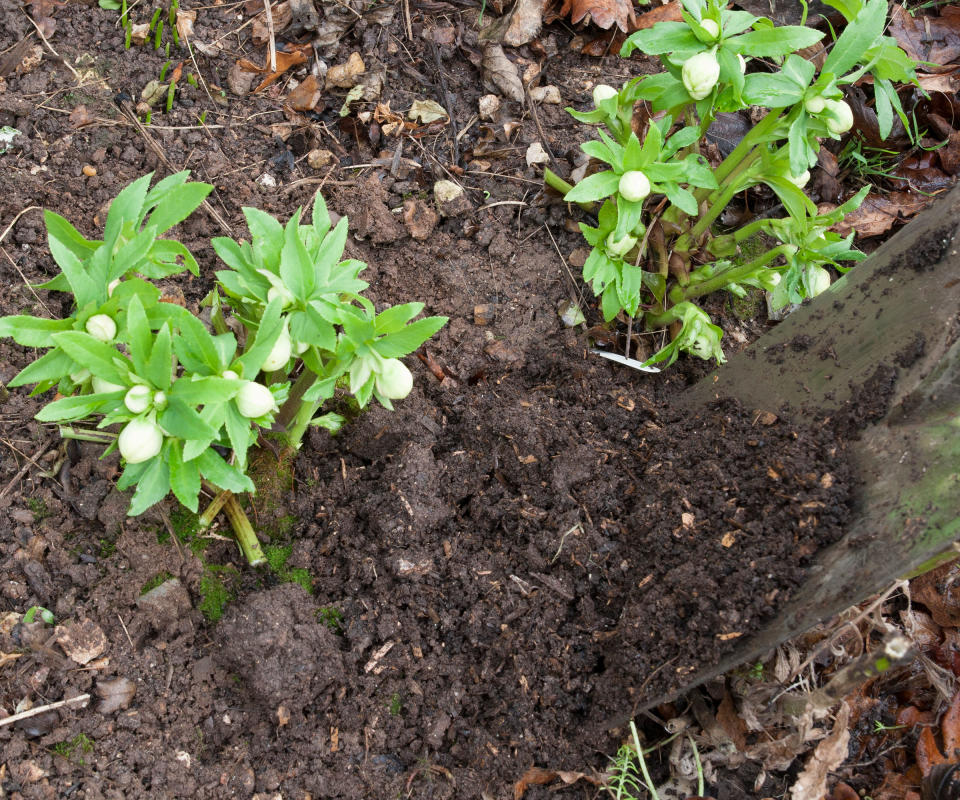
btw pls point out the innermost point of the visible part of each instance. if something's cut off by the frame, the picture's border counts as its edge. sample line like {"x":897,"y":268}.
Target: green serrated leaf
{"x":594,"y":187}
{"x":153,"y":485}
{"x":409,"y":338}
{"x":774,"y":42}
{"x":184,"y":477}
{"x":101,"y":359}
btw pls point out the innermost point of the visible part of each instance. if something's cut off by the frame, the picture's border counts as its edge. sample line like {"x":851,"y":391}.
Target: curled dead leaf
{"x":826,"y":758}
{"x":115,"y":694}
{"x":306,"y":96}
{"x":285,"y":60}
{"x":878,"y":213}
{"x":518,"y":27}
{"x":185,"y":20}
{"x":535,"y":776}
{"x":604,"y":13}
{"x":346,"y":75}
{"x":926,"y":38}
{"x":500,"y":73}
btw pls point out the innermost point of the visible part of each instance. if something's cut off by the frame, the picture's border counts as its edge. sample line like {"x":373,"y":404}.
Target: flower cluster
{"x":656,"y":248}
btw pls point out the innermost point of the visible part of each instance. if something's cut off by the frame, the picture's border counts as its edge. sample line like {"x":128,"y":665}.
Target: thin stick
{"x":50,"y":48}
{"x":23,"y":470}
{"x":10,"y":226}
{"x":82,"y":698}
{"x":131,"y":114}
{"x":273,"y":40}
{"x":447,"y":103}
{"x":25,"y":281}
{"x":124,"y":626}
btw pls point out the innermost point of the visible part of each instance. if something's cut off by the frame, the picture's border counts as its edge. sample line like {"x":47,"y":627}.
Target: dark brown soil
{"x":501,"y":570}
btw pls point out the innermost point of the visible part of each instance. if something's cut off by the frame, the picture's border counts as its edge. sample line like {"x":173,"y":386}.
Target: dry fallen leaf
{"x":80,"y":116}
{"x":115,"y":694}
{"x":306,"y":96}
{"x":671,"y":12}
{"x":346,"y":75}
{"x":426,"y":111}
{"x":878,"y":213}
{"x":535,"y":776}
{"x":926,"y":38}
{"x":285,"y":60}
{"x":500,"y":73}
{"x":282,"y":17}
{"x":185,"y":20}
{"x":81,"y":641}
{"x":520,"y":26}
{"x":828,"y":755}
{"x":604,"y":13}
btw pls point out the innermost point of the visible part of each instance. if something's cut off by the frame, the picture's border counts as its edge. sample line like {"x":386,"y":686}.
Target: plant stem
{"x":651,"y":786}
{"x":243,"y":530}
{"x":750,"y":229}
{"x":205,"y":520}
{"x":100,"y":437}
{"x":727,"y":190}
{"x":755,"y":136}
{"x":556,"y":182}
{"x":290,"y":416}
{"x":731,"y":275}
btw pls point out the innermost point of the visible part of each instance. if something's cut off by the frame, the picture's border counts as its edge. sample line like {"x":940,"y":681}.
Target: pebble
{"x":89,"y":170}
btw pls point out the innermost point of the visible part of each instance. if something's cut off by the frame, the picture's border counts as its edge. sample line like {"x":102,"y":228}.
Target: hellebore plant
{"x":188,"y":401}
{"x":656,"y":248}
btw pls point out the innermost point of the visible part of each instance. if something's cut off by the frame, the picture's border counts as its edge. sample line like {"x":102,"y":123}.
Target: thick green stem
{"x":292,"y":407}
{"x":719,"y":202}
{"x":554,"y":181}
{"x":205,"y":520}
{"x":756,"y":136}
{"x":301,"y":422}
{"x":99,"y":437}
{"x":750,"y":229}
{"x":243,"y":530}
{"x":729,"y":276}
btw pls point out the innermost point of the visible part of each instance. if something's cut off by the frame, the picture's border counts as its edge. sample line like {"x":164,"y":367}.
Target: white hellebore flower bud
{"x":100,"y":386}
{"x":394,"y":380}
{"x":742,"y":62}
{"x":101,"y":327}
{"x":80,"y":375}
{"x":772,"y":279}
{"x":140,"y":441}
{"x":799,"y":180}
{"x":815,"y":104}
{"x":841,"y":117}
{"x":230,"y":375}
{"x":818,"y":280}
{"x":700,"y":74}
{"x":621,"y":248}
{"x":634,"y":186}
{"x":138,"y":398}
{"x":711,"y":27}
{"x":160,"y":400}
{"x":254,"y":400}
{"x":280,"y":354}
{"x":603,"y":92}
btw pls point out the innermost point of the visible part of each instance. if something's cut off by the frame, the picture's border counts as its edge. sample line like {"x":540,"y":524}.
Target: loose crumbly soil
{"x":501,"y":570}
